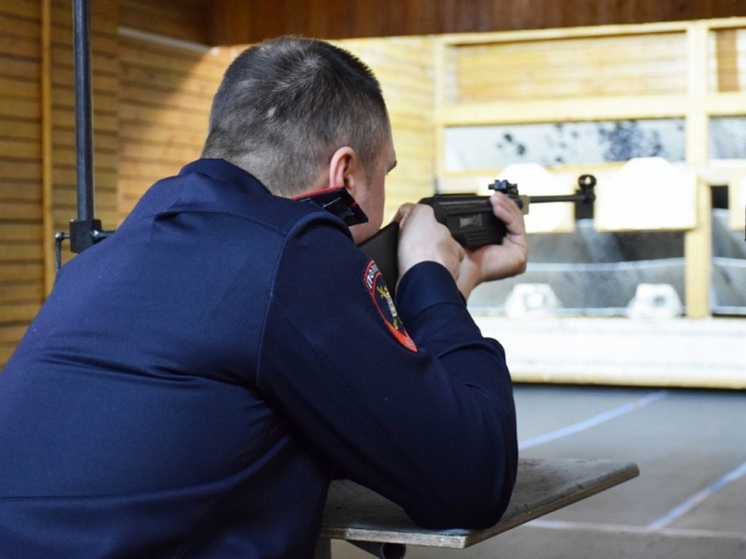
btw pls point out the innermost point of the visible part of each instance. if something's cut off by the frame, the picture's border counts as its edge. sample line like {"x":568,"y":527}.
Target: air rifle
{"x":470,"y":220}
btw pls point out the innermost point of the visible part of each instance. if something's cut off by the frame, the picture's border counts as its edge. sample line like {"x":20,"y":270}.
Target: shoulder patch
{"x":383,"y":301}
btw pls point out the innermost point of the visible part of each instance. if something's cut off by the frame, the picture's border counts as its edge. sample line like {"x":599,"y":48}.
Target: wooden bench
{"x":366,"y":519}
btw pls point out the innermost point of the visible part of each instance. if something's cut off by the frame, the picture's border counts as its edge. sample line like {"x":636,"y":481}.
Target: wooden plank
{"x":698,"y":242}
{"x":240,"y":22}
{"x":147,"y":171}
{"x":10,"y":272}
{"x":21,"y":47}
{"x":19,"y":108}
{"x":18,"y":251}
{"x":698,"y":252}
{"x":165,"y":97}
{"x":132,"y":131}
{"x":728,"y":72}
{"x":20,"y":170}
{"x":165,"y":79}
{"x":10,"y":334}
{"x":21,"y":9}
{"x":177,"y":100}
{"x":562,"y":110}
{"x":192,"y":122}
{"x":603,"y":30}
{"x":20,"y":191}
{"x":355,"y":513}
{"x":173,"y":59}
{"x":630,"y":64}
{"x":13,"y":87}
{"x":20,"y":129}
{"x":551,"y":60}
{"x":590,"y":108}
{"x":168,"y":17}
{"x":19,"y":149}
{"x":21,"y":68}
{"x":19,"y":232}
{"x":682,"y":352}
{"x":165,"y":153}
{"x":22,"y":313}
{"x":20,"y":211}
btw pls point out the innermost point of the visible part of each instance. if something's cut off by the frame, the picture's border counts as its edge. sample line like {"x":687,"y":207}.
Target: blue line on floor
{"x":697,"y":498}
{"x":593,"y":421}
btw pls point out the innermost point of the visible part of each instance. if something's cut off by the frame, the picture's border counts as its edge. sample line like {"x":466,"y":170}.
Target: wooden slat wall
{"x":168,"y":77}
{"x":177,"y":19}
{"x":165,"y":99}
{"x":242,"y":21}
{"x":21,"y":257}
{"x":150,"y":105}
{"x":645,"y":64}
{"x":728,"y":61}
{"x":594,"y":66}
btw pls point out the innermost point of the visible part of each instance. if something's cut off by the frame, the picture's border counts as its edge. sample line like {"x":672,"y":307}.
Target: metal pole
{"x":83,"y":108}
{"x":85,"y":230}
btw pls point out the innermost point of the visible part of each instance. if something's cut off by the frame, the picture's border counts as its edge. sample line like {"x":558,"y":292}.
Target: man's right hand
{"x":422,"y":239}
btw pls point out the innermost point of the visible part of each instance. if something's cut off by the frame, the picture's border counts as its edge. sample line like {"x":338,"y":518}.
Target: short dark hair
{"x":286,"y":105}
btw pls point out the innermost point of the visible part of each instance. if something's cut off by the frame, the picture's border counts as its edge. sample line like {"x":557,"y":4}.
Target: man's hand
{"x":422,"y":238}
{"x":494,"y":262}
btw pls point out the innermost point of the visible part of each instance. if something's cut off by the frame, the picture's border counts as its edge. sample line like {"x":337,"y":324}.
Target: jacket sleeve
{"x":411,"y":401}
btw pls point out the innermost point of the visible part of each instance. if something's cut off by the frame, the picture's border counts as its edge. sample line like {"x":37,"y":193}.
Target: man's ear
{"x":345,"y":169}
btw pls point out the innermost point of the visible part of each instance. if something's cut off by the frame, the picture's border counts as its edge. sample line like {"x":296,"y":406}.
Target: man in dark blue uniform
{"x":195,"y":381}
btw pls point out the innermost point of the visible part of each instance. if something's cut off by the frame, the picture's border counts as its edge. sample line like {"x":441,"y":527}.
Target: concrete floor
{"x":688,"y":503}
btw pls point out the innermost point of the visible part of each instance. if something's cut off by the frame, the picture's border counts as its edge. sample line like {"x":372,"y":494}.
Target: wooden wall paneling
{"x":489,"y":100}
{"x":726,"y":68}
{"x":165,"y":97}
{"x":242,"y":22}
{"x":698,"y":241}
{"x":179,"y":19}
{"x":48,"y":245}
{"x":583,"y":67}
{"x":21,"y":258}
{"x":149,"y":107}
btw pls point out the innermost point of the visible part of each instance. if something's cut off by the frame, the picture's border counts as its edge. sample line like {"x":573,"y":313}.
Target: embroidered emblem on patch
{"x":383,"y":301}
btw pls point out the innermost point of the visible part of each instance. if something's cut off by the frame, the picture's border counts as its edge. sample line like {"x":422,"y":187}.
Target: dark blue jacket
{"x":193,"y":382}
